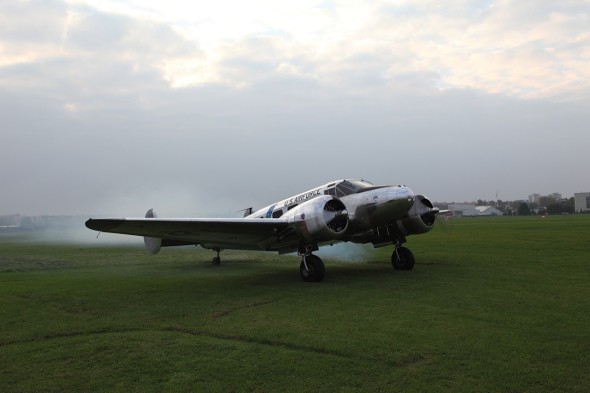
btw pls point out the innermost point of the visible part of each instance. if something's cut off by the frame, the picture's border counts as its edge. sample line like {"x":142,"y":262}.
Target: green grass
{"x":492,"y":305}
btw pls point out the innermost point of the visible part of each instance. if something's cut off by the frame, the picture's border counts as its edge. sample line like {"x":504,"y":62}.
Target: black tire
{"x":316,"y":269}
{"x":402,"y":259}
{"x":216,"y":261}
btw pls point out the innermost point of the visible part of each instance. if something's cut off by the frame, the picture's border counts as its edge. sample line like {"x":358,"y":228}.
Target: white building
{"x":488,"y":211}
{"x":13,"y":220}
{"x":463,"y":210}
{"x":582,"y":202}
{"x":470,"y":210}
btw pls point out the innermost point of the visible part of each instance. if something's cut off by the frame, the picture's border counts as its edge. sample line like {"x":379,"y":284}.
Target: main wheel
{"x":315,"y":269}
{"x":216,"y":260}
{"x":402,"y":259}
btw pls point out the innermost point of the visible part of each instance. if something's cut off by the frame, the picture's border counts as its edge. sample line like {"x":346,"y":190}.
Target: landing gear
{"x":216,"y":260}
{"x":402,"y":258}
{"x":312,"y":268}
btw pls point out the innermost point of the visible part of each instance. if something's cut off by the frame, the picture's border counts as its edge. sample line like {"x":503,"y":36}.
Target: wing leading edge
{"x":223,"y":233}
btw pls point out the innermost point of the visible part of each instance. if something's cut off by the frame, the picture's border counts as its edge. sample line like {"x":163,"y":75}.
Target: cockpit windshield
{"x":347,"y":187}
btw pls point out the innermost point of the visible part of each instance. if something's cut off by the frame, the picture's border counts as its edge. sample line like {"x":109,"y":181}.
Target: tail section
{"x":247,"y":211}
{"x":152,"y":244}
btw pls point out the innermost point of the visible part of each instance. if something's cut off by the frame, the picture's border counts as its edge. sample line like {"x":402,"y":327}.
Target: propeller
{"x":335,"y":215}
{"x":445,"y":221}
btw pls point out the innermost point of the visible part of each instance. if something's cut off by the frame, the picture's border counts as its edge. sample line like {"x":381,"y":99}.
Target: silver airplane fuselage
{"x":377,"y":214}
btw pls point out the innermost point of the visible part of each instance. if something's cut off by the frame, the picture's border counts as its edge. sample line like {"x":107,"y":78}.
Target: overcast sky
{"x":200,"y":107}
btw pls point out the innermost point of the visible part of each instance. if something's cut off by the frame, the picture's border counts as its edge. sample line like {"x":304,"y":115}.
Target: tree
{"x":545,"y":201}
{"x":523,"y":209}
{"x":555,"y":208}
{"x":569,"y":206}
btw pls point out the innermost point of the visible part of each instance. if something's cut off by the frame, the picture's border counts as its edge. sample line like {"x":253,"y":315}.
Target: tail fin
{"x":247,"y":211}
{"x":152,"y":244}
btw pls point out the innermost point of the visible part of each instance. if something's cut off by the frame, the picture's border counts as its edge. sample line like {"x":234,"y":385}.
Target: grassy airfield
{"x":492,"y":305}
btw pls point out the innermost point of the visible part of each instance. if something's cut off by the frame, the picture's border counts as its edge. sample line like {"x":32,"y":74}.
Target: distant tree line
{"x":548,"y":205}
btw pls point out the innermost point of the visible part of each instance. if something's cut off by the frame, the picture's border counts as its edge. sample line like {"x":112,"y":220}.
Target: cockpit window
{"x":347,"y":187}
{"x":330,"y":191}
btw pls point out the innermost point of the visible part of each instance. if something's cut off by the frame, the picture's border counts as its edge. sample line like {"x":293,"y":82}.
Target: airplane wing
{"x":223,"y":233}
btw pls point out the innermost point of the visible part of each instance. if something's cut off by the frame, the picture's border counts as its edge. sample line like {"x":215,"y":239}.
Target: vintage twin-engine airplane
{"x":340,"y":211}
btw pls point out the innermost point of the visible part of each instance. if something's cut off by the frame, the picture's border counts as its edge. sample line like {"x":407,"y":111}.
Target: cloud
{"x":116,"y":107}
{"x":464,"y":45}
{"x":522,"y":49}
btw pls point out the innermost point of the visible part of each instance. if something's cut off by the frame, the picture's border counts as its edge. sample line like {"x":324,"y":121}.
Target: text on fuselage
{"x":303,"y":197}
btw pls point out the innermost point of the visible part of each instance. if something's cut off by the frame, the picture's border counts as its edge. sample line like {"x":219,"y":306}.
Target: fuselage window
{"x":277,"y":213}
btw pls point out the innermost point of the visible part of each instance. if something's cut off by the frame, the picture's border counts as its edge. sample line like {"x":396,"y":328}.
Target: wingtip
{"x":102,"y":225}
{"x":88,"y":223}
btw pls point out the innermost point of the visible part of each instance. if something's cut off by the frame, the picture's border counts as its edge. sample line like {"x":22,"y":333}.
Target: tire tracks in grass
{"x":220,"y":314}
{"x":179,"y":330}
{"x":406,"y":361}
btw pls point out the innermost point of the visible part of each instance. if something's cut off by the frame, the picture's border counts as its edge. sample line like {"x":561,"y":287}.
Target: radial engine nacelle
{"x":152,"y":244}
{"x":319,"y":219}
{"x":421,"y":217}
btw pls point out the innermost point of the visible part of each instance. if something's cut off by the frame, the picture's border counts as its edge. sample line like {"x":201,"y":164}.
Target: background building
{"x":463,"y":210}
{"x":488,"y":211}
{"x":470,"y":210}
{"x":534,"y":198}
{"x":10,"y":221}
{"x":582,"y":202}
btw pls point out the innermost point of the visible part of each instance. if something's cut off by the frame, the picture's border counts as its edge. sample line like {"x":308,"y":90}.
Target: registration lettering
{"x":303,"y":197}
